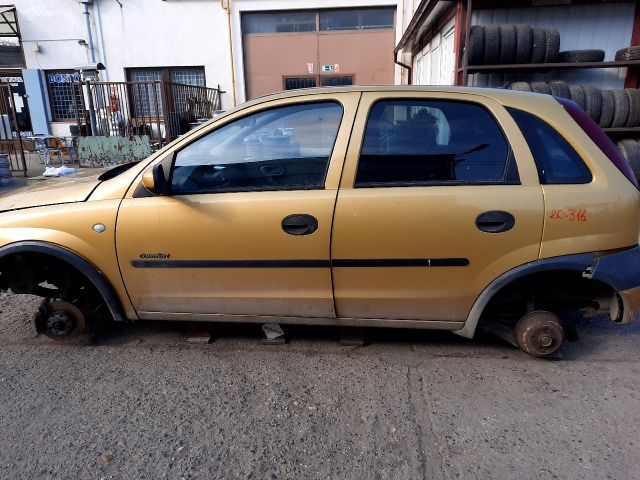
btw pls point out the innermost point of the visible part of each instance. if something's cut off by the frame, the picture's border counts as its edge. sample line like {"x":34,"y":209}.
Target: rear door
{"x":438,"y":197}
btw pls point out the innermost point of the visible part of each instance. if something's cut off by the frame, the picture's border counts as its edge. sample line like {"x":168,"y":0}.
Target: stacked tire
{"x":5,"y":170}
{"x":608,"y":108}
{"x":628,"y":54}
{"x":630,"y":150}
{"x":572,"y":56}
{"x":512,"y":44}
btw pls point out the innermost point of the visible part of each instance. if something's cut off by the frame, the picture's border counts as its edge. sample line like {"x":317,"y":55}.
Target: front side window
{"x":422,"y":142}
{"x":556,"y":160}
{"x":284,"y":148}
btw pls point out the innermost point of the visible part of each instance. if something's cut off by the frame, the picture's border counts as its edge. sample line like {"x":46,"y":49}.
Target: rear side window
{"x":433,"y":142}
{"x":556,"y":160}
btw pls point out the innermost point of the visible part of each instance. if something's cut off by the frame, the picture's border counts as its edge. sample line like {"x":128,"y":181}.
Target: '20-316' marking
{"x":571,"y":214}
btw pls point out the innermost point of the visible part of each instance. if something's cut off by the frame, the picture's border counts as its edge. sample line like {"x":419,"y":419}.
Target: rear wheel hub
{"x":539,"y":333}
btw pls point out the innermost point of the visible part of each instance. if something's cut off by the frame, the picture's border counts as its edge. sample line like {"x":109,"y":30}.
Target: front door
{"x":246,"y":227}
{"x":434,"y":204}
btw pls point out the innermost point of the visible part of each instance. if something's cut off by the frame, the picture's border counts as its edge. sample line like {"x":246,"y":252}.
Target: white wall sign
{"x":327,"y":68}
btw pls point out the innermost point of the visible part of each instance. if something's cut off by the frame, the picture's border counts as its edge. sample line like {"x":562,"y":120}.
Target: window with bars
{"x":63,"y":94}
{"x":292,"y":83}
{"x":314,"y":20}
{"x":147,"y":97}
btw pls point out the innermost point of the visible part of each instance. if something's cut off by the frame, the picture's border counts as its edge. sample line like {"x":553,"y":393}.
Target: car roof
{"x":502,"y":95}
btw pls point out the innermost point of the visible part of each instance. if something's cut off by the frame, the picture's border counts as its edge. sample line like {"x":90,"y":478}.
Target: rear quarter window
{"x":556,"y":160}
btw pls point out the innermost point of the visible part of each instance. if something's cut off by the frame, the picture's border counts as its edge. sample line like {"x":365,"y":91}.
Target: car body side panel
{"x":429,"y":222}
{"x":201,"y":230}
{"x":222,"y":242}
{"x":71,"y":226}
{"x":601,"y":215}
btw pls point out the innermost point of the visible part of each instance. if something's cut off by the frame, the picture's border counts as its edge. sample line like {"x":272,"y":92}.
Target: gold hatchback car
{"x":414,"y":207}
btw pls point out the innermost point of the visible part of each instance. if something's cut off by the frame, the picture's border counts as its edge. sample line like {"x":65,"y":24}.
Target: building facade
{"x":246,"y":47}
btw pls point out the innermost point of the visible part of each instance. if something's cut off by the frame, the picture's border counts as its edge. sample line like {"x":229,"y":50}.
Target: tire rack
{"x":463,"y":69}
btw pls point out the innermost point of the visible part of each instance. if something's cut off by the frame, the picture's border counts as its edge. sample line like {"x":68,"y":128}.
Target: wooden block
{"x":198,"y":333}
{"x":352,"y":336}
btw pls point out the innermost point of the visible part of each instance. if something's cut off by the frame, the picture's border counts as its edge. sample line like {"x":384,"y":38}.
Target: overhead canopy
{"x":425,"y":15}
{"x":8,"y":22}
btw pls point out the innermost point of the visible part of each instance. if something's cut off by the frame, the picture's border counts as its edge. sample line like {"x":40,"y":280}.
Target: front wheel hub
{"x":60,"y":320}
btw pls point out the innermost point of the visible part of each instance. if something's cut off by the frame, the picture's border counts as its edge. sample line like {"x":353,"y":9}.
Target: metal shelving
{"x":463,"y":70}
{"x":622,"y":130}
{"x":533,"y":67}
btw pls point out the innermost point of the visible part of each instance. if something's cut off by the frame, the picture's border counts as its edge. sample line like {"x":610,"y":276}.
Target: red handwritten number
{"x":573,"y":215}
{"x":582,"y":216}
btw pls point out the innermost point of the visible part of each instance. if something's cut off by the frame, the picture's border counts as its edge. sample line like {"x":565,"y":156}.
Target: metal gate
{"x":118,"y":122}
{"x":10,"y":137}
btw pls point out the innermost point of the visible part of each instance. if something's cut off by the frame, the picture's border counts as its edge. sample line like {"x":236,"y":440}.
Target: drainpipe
{"x":404,"y":65}
{"x":92,"y":53}
{"x":103,"y":54}
{"x":226,"y":5}
{"x":92,"y":59}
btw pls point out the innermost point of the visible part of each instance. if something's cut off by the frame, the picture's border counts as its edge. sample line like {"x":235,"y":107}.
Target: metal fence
{"x":11,"y":142}
{"x":160,"y":110}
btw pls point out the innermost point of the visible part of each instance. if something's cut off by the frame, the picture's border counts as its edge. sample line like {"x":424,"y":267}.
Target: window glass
{"x":284,"y":148}
{"x":279,"y":22}
{"x":146,"y":97}
{"x":356,"y":19}
{"x":63,"y":94}
{"x":409,"y":142}
{"x":336,"y":80}
{"x":188,"y":76}
{"x":291,"y":83}
{"x":556,"y":160}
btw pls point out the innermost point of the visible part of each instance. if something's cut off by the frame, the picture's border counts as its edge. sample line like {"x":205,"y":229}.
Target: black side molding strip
{"x":230,"y":263}
{"x":402,"y":262}
{"x":383,"y":262}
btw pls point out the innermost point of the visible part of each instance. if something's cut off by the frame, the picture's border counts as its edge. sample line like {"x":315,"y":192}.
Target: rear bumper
{"x":621,"y":271}
{"x":626,"y":306}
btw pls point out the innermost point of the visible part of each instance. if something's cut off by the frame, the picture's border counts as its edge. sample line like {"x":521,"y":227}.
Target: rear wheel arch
{"x":90,"y":272}
{"x":572,"y":265}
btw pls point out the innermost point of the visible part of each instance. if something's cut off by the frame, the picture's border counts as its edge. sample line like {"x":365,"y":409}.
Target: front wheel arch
{"x":92,"y":274}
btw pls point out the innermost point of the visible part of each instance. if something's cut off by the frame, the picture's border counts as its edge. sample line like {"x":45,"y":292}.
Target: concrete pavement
{"x":409,"y":405}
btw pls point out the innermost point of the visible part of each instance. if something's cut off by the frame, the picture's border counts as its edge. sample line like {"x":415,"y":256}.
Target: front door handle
{"x":495,"y":221}
{"x":299,"y":224}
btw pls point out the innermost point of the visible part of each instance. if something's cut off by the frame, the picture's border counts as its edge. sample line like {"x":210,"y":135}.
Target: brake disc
{"x":60,"y":321}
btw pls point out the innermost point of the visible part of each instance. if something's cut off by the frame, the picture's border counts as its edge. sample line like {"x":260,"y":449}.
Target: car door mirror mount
{"x":155,"y":180}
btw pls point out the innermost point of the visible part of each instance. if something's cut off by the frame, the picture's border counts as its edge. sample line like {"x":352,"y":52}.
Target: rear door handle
{"x":495,"y":221}
{"x":299,"y":224}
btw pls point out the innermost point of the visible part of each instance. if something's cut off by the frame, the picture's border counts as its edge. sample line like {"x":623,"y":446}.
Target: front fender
{"x":89,"y":270}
